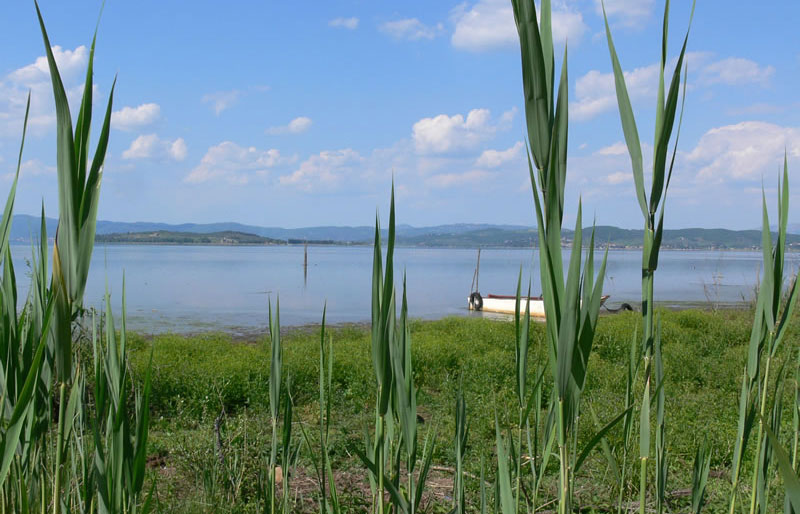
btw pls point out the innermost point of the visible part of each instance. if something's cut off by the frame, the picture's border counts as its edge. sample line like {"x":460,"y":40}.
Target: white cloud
{"x":411,"y":29}
{"x":345,"y":23}
{"x":595,"y":91}
{"x":235,"y":164}
{"x":736,"y":71}
{"x":178,"y":150}
{"x":35,"y":78}
{"x":69,"y":62}
{"x":221,"y":100}
{"x":744,"y":151}
{"x":296,"y":126}
{"x":631,"y":13}
{"x":618,"y":177}
{"x":324,"y":171}
{"x":618,"y":148}
{"x":150,"y":146}
{"x":495,"y":158}
{"x":444,"y":134}
{"x":489,"y":24}
{"x":130,"y":118}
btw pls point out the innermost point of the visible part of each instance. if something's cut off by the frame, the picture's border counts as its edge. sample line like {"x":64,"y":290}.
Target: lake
{"x":197,"y":288}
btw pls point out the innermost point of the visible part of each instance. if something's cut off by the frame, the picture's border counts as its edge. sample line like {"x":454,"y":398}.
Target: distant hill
{"x":614,"y":237}
{"x":687,"y":238}
{"x":24,"y":226}
{"x":461,"y":235}
{"x":227,"y":237}
{"x":485,"y":237}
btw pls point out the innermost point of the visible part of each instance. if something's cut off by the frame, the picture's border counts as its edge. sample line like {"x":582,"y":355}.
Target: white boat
{"x":506,"y":304}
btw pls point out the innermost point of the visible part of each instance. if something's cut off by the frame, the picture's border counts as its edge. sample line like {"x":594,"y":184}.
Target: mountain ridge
{"x":458,"y":235}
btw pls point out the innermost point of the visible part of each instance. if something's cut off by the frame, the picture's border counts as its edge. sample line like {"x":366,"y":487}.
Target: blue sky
{"x":281,"y":114}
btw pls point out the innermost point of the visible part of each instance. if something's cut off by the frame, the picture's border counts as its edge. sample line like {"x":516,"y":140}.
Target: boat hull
{"x":508,"y":305}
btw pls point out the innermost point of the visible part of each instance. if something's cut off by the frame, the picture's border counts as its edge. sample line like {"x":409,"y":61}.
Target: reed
{"x":572,"y":296}
{"x":460,"y":438}
{"x":280,"y":405}
{"x":395,"y":431}
{"x":62,"y":452}
{"x":769,"y":328}
{"x":320,"y":458}
{"x":652,"y":207}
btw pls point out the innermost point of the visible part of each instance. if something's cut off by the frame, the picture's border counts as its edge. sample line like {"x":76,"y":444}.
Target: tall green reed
{"x":280,"y":404}
{"x":120,"y":439}
{"x":572,"y":297}
{"x":79,"y":182}
{"x":666,"y":110}
{"x":395,"y":432}
{"x":770,"y":322}
{"x":93,"y":458}
{"x":329,"y":497}
{"x":460,"y":438}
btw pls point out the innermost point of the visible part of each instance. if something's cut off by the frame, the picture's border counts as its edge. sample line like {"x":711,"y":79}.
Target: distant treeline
{"x":188,"y":238}
{"x":613,"y":237}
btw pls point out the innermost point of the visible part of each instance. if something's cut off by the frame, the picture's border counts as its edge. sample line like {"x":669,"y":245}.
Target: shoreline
{"x":253,"y":333}
{"x":422,"y":247}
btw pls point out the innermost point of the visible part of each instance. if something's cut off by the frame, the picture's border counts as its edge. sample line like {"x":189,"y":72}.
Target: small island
{"x":225,"y":238}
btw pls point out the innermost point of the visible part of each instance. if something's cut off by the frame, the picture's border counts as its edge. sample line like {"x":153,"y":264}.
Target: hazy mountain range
{"x":461,"y":235}
{"x":25,"y":225}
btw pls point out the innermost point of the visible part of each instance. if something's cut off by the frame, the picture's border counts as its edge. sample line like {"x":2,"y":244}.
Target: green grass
{"x":194,"y":378}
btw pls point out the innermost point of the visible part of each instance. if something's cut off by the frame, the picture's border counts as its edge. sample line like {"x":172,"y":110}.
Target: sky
{"x":299,"y":114}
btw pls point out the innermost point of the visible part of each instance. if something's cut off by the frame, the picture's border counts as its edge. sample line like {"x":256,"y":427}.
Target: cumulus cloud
{"x":631,"y":13}
{"x":445,"y":134}
{"x":494,"y":158}
{"x":489,"y":24}
{"x":323,"y":171}
{"x":221,"y":100}
{"x":411,"y":29}
{"x":345,"y":23}
{"x":35,"y":78}
{"x":130,"y":118}
{"x":69,"y":63}
{"x":235,"y":164}
{"x":735,"y":71}
{"x":728,"y":158}
{"x":150,"y":146}
{"x":595,"y":92}
{"x":618,"y":148}
{"x":744,"y":151}
{"x":296,"y":126}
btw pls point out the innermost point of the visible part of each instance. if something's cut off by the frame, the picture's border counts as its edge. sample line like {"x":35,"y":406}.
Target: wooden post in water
{"x":478,"y":271}
{"x":305,"y":264}
{"x":475,"y":276}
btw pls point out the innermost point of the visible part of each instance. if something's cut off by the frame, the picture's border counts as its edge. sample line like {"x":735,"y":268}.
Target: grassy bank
{"x":211,"y":430}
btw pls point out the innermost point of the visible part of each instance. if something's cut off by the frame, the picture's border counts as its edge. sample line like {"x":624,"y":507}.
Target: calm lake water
{"x":196,"y":288}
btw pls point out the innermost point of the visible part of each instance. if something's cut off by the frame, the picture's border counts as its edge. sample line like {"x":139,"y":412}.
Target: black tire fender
{"x":476,"y":300}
